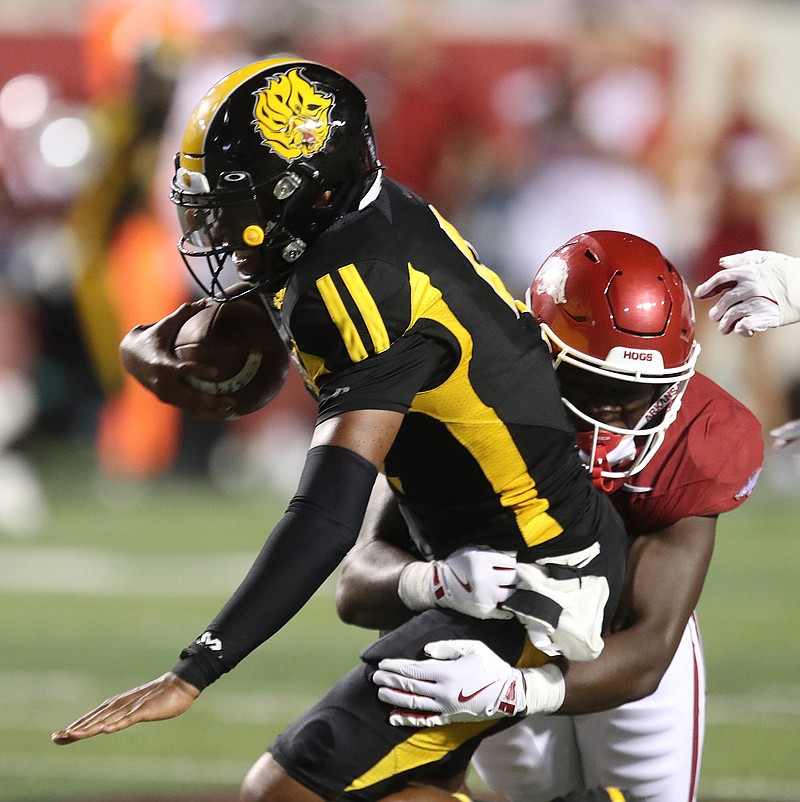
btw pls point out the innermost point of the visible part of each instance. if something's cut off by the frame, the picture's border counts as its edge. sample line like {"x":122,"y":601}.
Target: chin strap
{"x":605,"y":450}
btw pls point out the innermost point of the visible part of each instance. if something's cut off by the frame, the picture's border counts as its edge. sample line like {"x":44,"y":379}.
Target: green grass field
{"x":120,"y":581}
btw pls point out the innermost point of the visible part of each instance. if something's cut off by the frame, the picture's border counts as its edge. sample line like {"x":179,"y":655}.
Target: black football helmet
{"x":272,"y":155}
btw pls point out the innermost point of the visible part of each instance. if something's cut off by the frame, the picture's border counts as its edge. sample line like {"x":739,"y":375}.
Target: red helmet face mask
{"x":619,"y":320}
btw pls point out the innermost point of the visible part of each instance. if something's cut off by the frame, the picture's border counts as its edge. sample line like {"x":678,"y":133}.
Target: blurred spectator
{"x":44,"y":141}
{"x":418,"y":105}
{"x":23,"y":507}
{"x":752,"y":167}
{"x":128,"y":269}
{"x":595,"y":119}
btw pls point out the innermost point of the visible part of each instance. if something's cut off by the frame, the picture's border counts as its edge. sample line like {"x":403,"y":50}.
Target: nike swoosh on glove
{"x":466,"y":681}
{"x":472,"y":581}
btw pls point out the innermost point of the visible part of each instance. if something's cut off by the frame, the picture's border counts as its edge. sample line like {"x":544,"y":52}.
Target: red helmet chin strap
{"x":606,"y":443}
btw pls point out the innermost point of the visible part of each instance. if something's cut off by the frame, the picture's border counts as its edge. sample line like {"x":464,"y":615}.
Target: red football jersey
{"x":708,"y":463}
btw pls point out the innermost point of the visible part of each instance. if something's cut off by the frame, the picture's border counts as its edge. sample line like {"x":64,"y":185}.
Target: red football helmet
{"x":611,"y":305}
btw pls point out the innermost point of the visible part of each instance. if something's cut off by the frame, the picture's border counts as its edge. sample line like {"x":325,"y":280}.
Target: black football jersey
{"x":391,"y":309}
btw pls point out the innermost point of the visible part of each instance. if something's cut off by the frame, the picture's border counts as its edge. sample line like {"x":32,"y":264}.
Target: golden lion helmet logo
{"x":292,"y":116}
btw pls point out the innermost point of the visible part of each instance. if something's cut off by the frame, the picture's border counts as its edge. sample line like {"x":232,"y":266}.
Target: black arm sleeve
{"x":319,"y":527}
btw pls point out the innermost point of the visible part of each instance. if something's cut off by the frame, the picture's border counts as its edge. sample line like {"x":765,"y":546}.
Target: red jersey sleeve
{"x":708,"y":464}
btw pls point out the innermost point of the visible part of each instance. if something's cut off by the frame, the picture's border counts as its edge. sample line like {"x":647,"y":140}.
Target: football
{"x":240,"y":340}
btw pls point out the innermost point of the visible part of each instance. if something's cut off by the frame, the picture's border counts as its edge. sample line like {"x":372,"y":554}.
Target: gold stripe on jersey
{"x":476,"y":425}
{"x":341,"y":319}
{"x":420,"y":749}
{"x":615,"y":795}
{"x":487,"y":274}
{"x":367,"y":307}
{"x":368,"y":310}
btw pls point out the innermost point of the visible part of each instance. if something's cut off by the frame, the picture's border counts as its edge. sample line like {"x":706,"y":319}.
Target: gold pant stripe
{"x":423,"y":747}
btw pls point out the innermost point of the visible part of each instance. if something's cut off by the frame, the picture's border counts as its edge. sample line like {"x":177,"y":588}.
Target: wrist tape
{"x":415,"y":586}
{"x":544,"y":688}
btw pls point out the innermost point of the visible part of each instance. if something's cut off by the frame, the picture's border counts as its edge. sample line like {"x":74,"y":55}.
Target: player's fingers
{"x":194,"y":399}
{"x":746,"y":258}
{"x":86,"y":727}
{"x":734,"y":260}
{"x":730,"y":319}
{"x":744,"y":329}
{"x":731,"y":297}
{"x":747,"y":316}
{"x":166,"y":329}
{"x":715,"y":285}
{"x":401,"y":680}
{"x":185,"y":311}
{"x":401,"y":665}
{"x":92,"y":716}
{"x":402,"y":718}
{"x":141,"y":710}
{"x":109,"y":708}
{"x":143,"y":704}
{"x":749,"y":325}
{"x":499,"y":613}
{"x":725,"y":280}
{"x":408,"y":701}
{"x":789,"y":441}
{"x":787,"y":431}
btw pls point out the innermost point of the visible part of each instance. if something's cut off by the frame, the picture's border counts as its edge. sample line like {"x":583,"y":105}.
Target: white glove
{"x":748,"y":304}
{"x":472,"y":581}
{"x":787,"y":437}
{"x":466,"y":681}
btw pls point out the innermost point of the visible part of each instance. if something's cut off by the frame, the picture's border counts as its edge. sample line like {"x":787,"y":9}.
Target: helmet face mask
{"x":619,"y":321}
{"x":232,"y":231}
{"x":616,"y":402}
{"x":272,"y":156}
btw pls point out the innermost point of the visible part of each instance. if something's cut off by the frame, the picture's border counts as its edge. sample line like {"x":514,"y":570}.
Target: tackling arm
{"x":382,"y":584}
{"x":666,"y":571}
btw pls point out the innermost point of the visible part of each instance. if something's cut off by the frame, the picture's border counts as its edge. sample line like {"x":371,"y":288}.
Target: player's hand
{"x":787,"y":437}
{"x":466,"y":681}
{"x":147,"y":355}
{"x":473,"y":581}
{"x":746,"y":304}
{"x":165,"y":697}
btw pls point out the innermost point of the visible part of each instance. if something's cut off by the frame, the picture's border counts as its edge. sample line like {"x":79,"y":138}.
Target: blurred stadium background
{"x":124,"y":526}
